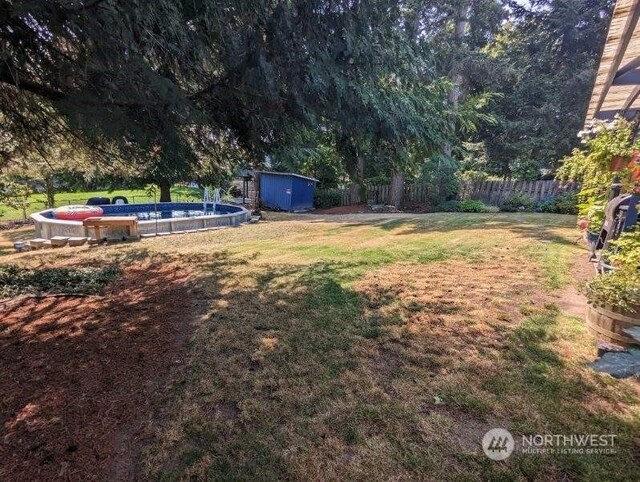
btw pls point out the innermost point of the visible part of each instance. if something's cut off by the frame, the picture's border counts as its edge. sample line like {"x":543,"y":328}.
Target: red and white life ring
{"x":77,"y":213}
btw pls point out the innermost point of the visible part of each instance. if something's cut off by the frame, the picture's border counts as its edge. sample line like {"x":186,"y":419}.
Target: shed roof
{"x":617,"y":85}
{"x":288,"y":174}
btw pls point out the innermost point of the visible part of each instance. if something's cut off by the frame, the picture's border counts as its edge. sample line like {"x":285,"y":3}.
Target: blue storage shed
{"x":286,"y":191}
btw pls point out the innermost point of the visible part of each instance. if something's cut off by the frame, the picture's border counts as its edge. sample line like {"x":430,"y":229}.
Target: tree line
{"x":349,"y":91}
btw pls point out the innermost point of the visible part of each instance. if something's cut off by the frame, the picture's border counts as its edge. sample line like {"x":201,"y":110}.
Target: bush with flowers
{"x":609,"y":153}
{"x":619,"y":288}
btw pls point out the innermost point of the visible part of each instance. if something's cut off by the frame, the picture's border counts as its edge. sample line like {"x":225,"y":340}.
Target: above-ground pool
{"x":153,"y":218}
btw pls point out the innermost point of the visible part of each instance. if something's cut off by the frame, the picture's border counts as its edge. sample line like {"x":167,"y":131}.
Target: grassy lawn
{"x":37,"y":202}
{"x":372,"y":347}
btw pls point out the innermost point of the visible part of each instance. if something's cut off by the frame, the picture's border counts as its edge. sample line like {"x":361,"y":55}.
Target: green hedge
{"x":565,"y":203}
{"x":464,"y":206}
{"x":327,"y":198}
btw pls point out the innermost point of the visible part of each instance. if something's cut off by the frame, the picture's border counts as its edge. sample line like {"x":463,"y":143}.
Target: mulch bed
{"x":353,"y":209}
{"x":364,"y":208}
{"x":81,"y":377}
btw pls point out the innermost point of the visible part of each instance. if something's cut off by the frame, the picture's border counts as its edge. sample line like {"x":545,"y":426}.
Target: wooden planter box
{"x":608,"y":325}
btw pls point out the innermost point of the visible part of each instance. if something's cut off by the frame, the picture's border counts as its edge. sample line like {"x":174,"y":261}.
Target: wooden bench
{"x":100,"y":222}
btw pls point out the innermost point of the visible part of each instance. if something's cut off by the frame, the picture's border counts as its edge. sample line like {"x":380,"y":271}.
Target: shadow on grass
{"x":81,"y":375}
{"x":528,"y":225}
{"x":20,"y":234}
{"x":295,"y":375}
{"x":9,"y":236}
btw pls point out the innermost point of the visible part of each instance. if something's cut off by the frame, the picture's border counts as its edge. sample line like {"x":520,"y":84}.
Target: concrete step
{"x":59,"y":241}
{"x":37,"y":243}
{"x":77,"y":241}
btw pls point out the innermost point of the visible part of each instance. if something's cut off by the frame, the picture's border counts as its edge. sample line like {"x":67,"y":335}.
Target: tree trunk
{"x":354,"y":165}
{"x":462,"y":25}
{"x":455,"y":94}
{"x":461,"y":28}
{"x":165,"y":192}
{"x":357,"y":189}
{"x":396,"y":193}
{"x":50,"y":191}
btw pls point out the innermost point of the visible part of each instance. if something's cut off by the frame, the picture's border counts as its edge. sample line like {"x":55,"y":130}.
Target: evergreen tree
{"x":543,"y":63}
{"x":158,"y":83}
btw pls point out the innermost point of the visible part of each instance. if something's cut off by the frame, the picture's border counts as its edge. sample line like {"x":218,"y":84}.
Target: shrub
{"x":565,"y":203}
{"x":327,"y":198}
{"x":625,"y":251}
{"x":621,"y":287}
{"x":618,"y":289}
{"x":609,"y":150}
{"x":518,"y":202}
{"x":471,"y":206}
{"x":15,"y":280}
{"x":452,"y":206}
{"x":464,"y":206}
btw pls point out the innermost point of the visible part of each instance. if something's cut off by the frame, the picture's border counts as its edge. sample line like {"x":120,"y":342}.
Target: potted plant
{"x":591,"y":223}
{"x":614,"y":297}
{"x":610,"y":152}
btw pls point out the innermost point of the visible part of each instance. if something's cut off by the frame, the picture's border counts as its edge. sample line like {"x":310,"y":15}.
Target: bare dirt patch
{"x":446,"y":324}
{"x":453,"y":316}
{"x":570,"y":299}
{"x":10,"y":235}
{"x":81,"y":377}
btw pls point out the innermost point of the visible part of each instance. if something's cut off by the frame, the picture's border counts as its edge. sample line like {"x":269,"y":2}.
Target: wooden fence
{"x":416,"y":193}
{"x":495,"y":193}
{"x":490,"y":192}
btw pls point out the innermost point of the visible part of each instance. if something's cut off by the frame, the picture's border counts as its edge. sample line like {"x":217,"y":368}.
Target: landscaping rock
{"x":603,"y":348}
{"x":633,"y":333}
{"x":619,"y":364}
{"x":384,"y":208}
{"x":20,"y":246}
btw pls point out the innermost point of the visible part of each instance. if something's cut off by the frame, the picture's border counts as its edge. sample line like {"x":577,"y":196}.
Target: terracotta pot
{"x":618,"y":163}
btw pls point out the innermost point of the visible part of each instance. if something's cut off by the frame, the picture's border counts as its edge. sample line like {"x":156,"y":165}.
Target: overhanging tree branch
{"x":24,"y":84}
